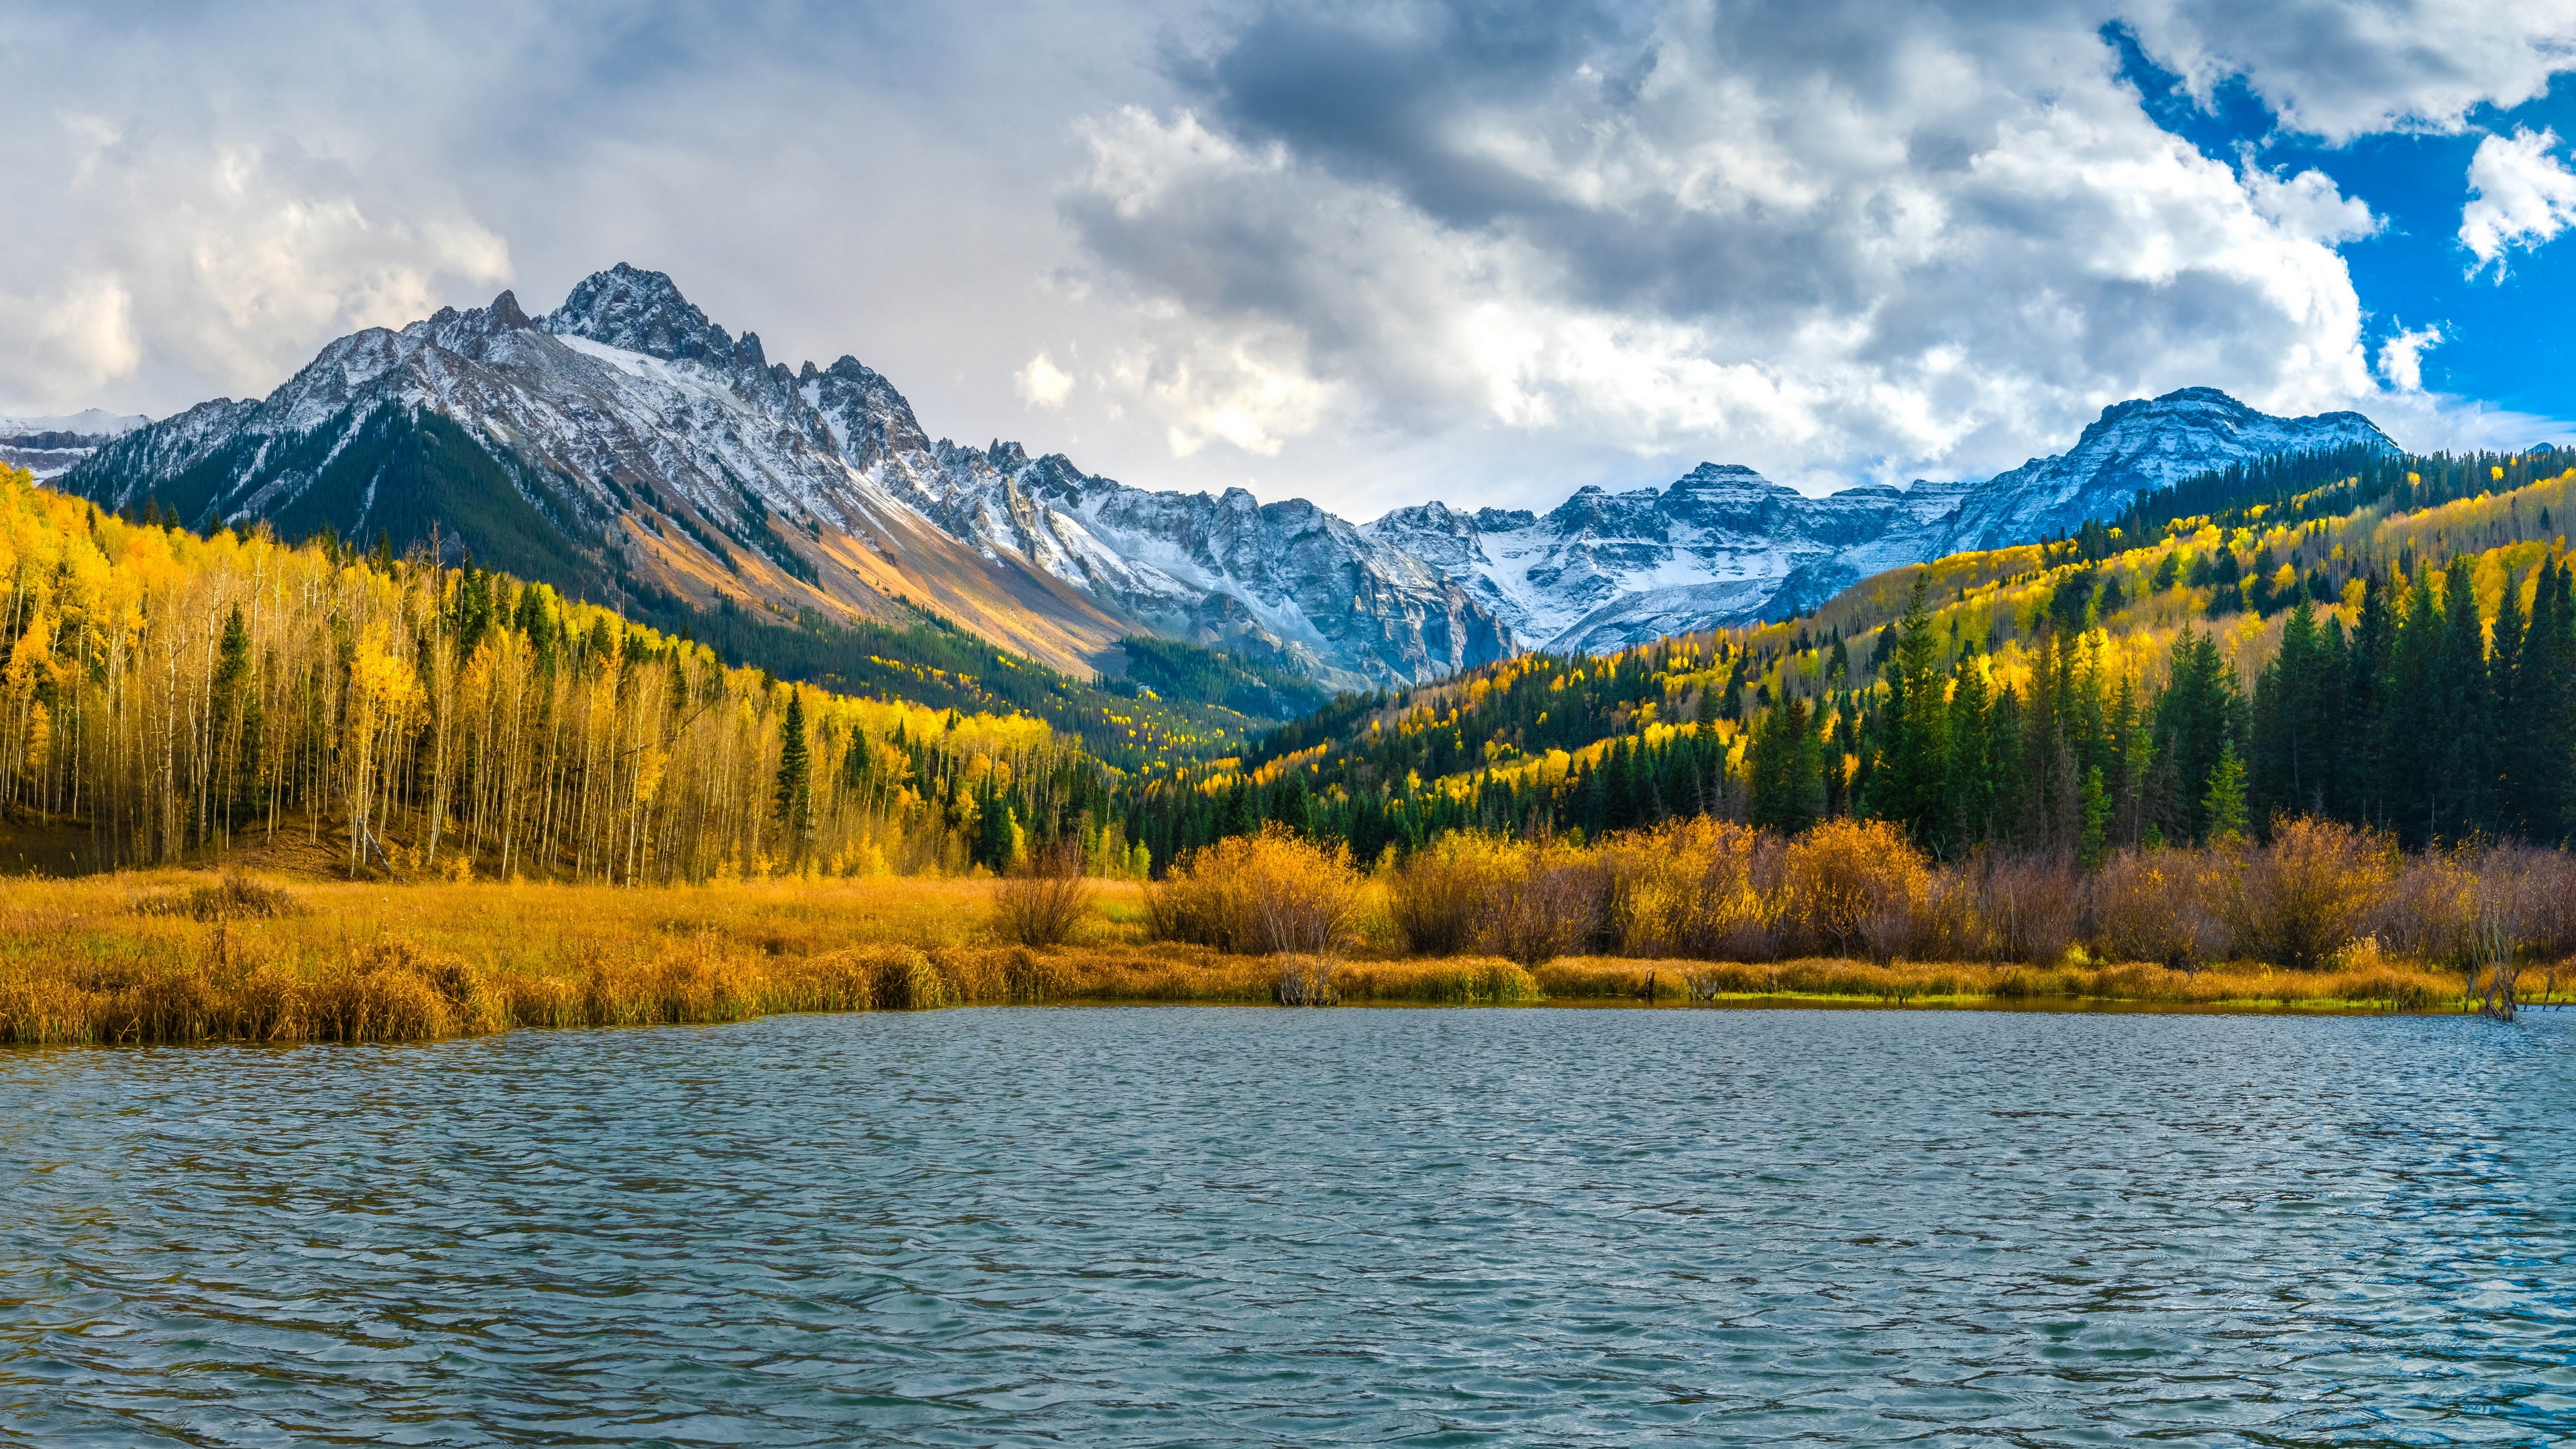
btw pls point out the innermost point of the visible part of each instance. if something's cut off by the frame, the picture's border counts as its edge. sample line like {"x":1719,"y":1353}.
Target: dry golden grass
{"x":184,"y":957}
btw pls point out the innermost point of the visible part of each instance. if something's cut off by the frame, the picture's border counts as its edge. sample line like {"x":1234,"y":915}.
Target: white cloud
{"x":71,"y":341}
{"x":222,"y":260}
{"x":2519,"y":195}
{"x":2337,"y":69}
{"x":1937,"y":251}
{"x":1043,"y":384}
{"x":2401,"y":357}
{"x":1389,"y":249}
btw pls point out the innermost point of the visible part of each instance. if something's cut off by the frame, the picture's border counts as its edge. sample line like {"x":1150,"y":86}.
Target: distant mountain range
{"x":627,"y":449}
{"x":49,"y":447}
{"x":1724,"y":545}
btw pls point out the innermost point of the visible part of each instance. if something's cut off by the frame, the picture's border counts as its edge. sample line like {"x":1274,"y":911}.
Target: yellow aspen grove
{"x":168,"y":696}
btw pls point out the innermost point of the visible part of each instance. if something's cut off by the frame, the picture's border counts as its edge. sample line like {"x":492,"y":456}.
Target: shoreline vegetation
{"x":2323,"y":918}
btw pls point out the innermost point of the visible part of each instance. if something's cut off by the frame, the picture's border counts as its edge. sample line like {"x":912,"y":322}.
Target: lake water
{"x":1178,"y":1226}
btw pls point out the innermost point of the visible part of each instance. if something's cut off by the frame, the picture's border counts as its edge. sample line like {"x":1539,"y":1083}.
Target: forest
{"x":2406,"y":664}
{"x":172,"y":697}
{"x":2148,"y":768}
{"x":2385,"y":643}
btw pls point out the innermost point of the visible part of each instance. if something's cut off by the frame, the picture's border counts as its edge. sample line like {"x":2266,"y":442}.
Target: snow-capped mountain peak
{"x":627,"y":447}
{"x":1724,"y":545}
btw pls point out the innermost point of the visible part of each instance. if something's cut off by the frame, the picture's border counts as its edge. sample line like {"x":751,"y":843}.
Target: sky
{"x":1364,"y":254}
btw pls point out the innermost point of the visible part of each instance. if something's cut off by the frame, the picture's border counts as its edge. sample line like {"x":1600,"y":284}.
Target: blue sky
{"x":1366,"y":253}
{"x":2504,"y":338}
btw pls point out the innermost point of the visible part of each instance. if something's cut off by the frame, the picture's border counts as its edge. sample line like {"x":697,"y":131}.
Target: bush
{"x":1258,"y":894}
{"x":2308,"y":893}
{"x":1857,"y":883}
{"x":1550,"y":903}
{"x":1700,"y":889}
{"x":1040,"y":902}
{"x":2427,"y":911}
{"x":2155,"y":905}
{"x":2011,"y":908}
{"x":1438,"y":899}
{"x":236,"y":897}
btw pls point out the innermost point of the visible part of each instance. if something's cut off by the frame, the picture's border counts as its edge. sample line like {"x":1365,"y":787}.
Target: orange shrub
{"x":1265,"y":893}
{"x":1858,"y":883}
{"x":2297,"y":900}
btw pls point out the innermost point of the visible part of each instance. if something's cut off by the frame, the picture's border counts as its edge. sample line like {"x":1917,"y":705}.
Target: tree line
{"x":170,"y":696}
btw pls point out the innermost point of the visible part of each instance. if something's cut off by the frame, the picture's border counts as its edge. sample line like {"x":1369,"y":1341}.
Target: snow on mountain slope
{"x":626,"y":447}
{"x":2132,"y":447}
{"x":50,"y":446}
{"x":1723,"y":545}
{"x":683,"y":466}
{"x":1562,"y":579}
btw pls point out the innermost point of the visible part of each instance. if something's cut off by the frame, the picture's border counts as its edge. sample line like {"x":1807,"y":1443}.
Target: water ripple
{"x":1171,"y":1226}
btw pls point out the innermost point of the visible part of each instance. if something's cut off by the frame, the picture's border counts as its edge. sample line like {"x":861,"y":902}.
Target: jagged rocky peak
{"x":459,"y":331}
{"x":873,"y":421}
{"x":641,"y":311}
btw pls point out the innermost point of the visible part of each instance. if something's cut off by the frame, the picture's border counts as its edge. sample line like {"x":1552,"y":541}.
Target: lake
{"x":1238,"y":1226}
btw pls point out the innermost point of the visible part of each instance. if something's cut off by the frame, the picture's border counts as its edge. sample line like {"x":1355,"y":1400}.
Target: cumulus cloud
{"x":1375,"y":250}
{"x":2401,"y":357}
{"x":2339,"y":70}
{"x":2520,"y":194}
{"x":223,"y":259}
{"x":1781,"y":232}
{"x":1042,"y":383}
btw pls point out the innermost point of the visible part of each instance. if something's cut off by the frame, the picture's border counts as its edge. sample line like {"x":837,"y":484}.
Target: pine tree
{"x":2193,"y":719}
{"x":793,"y":799}
{"x":1970,"y":788}
{"x":2293,"y":715}
{"x":236,"y":722}
{"x":1914,"y":729}
{"x":2097,"y":821}
{"x":2466,"y":701}
{"x":2514,"y":741}
{"x":2224,"y":807}
{"x":1784,"y":762}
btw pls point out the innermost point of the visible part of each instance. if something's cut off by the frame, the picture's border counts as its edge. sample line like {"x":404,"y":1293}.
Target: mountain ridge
{"x":1724,"y":546}
{"x":628,"y":447}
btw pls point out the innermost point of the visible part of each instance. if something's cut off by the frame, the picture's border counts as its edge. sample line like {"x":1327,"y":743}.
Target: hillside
{"x":176,"y":697}
{"x":2392,"y":644}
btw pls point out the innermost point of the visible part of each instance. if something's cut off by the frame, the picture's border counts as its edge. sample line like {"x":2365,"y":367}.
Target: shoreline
{"x":174,"y":957}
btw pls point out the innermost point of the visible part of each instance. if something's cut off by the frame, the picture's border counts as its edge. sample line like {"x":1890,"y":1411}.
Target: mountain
{"x":50,"y":446}
{"x":1725,"y":546}
{"x":627,"y":449}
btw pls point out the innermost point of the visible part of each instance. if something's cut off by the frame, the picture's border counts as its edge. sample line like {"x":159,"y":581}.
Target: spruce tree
{"x":2095,"y":832}
{"x":1914,"y":747}
{"x":793,"y":799}
{"x":1783,"y":761}
{"x":2224,"y":806}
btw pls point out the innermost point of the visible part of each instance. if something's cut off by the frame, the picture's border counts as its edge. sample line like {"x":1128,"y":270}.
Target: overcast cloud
{"x":1368,"y":254}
